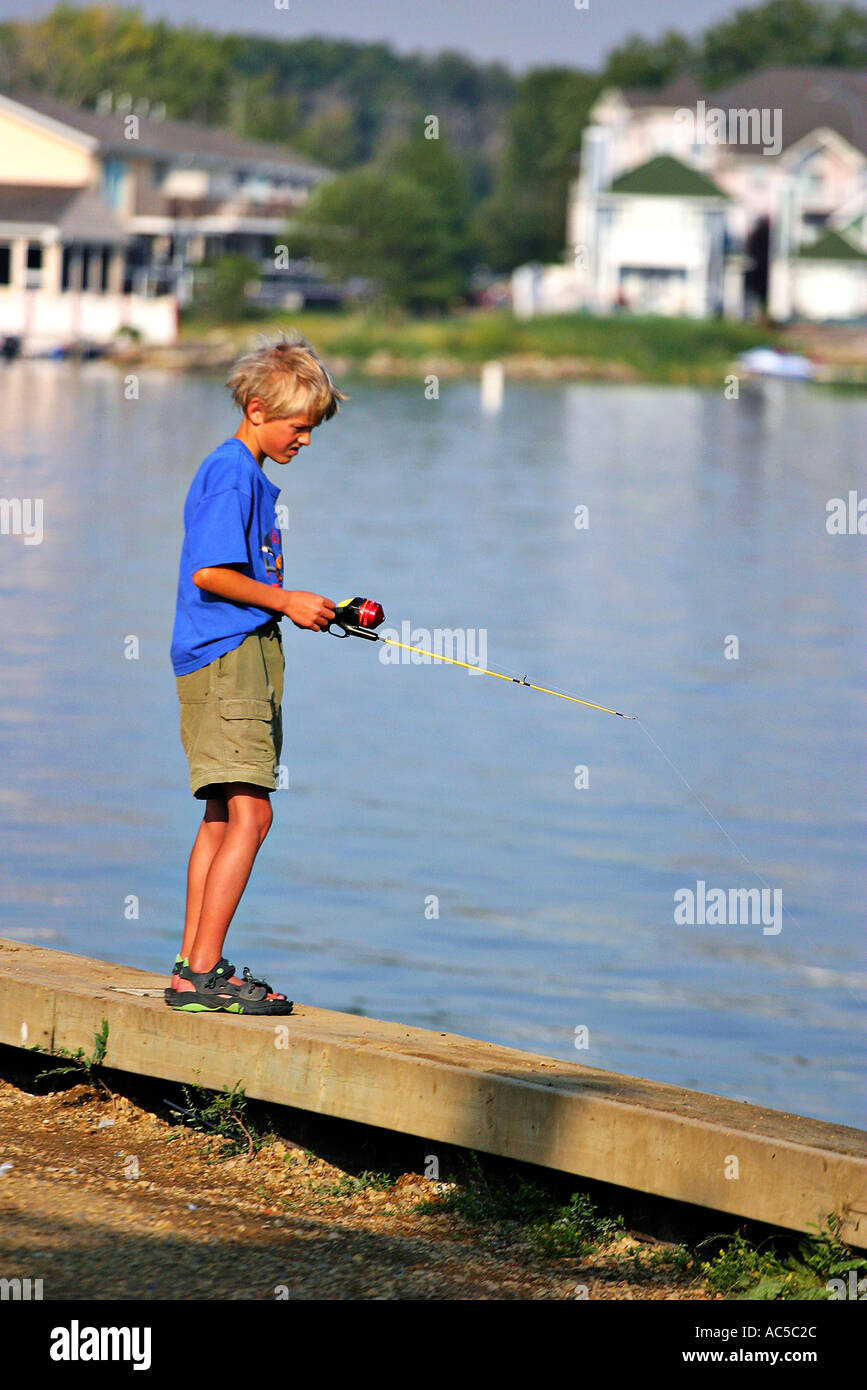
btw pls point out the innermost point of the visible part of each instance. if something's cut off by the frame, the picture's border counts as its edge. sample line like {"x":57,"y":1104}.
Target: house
{"x":659,"y":234}
{"x":62,"y":271}
{"x":829,"y":279}
{"x":790,"y":193}
{"x":104,"y":214}
{"x":706,"y":204}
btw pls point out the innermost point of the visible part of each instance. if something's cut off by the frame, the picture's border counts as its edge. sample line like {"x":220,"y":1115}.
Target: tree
{"x":383,"y":227}
{"x":223,"y":292}
{"x":642,"y":63}
{"x":783,"y":33}
{"x":524,"y":218}
{"x":432,"y":165}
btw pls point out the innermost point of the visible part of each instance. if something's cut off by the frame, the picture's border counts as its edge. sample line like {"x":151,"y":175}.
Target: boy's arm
{"x":305,"y":609}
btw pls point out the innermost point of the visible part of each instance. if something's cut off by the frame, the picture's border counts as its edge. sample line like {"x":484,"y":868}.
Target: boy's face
{"x":280,"y":439}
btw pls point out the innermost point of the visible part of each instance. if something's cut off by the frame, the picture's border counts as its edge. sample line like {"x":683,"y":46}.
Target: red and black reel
{"x":357,"y":617}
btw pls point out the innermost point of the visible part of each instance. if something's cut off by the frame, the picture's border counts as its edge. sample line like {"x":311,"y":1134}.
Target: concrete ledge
{"x":635,"y":1133}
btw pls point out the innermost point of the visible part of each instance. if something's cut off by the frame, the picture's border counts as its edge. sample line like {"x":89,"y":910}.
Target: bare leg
{"x":249,"y":817}
{"x":207,"y":842}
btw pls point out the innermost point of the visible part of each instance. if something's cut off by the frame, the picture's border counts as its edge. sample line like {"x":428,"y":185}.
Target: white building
{"x":103,"y":215}
{"x":654,"y":241}
{"x":708,"y":205}
{"x":62,"y":272}
{"x":829,"y":279}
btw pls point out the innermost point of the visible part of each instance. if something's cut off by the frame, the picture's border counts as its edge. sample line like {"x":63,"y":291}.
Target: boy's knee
{"x":250,"y":810}
{"x":265,"y":819}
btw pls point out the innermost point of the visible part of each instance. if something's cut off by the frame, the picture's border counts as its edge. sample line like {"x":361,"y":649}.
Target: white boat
{"x":763,"y":361}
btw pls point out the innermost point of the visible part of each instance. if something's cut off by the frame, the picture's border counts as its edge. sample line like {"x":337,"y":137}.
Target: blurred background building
{"x":714,"y":204}
{"x":105,"y":214}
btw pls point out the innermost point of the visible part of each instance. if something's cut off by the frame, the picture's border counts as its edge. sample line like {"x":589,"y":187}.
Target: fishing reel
{"x":357,"y":617}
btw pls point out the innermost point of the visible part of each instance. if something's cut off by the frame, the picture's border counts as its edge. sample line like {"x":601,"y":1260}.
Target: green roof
{"x":832,"y":247}
{"x":666,"y":175}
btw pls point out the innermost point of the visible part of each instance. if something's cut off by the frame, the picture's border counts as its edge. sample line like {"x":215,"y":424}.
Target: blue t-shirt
{"x":230,"y":518}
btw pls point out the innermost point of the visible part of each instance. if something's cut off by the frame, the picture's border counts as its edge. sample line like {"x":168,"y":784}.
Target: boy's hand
{"x":308,"y":610}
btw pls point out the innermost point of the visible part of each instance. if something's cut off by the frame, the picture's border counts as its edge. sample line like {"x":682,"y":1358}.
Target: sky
{"x":521,"y":34}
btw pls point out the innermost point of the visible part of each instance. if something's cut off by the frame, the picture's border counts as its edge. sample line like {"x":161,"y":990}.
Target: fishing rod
{"x":359,"y":617}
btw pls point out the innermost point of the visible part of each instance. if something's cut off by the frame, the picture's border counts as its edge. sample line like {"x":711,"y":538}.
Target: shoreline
{"x":621,"y":350}
{"x":517,"y":367}
{"x":639,"y":352}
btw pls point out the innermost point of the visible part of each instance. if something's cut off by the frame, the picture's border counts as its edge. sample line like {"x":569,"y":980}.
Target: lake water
{"x":432,"y":860}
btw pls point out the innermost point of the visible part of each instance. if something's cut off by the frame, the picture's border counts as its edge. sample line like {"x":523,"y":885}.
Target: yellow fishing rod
{"x":359,"y":617}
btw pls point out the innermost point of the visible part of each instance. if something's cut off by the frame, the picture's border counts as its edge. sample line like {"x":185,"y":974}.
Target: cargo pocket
{"x":247,"y":727}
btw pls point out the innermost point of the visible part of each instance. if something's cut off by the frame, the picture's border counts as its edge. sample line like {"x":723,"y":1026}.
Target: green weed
{"x":526,"y":1210}
{"x":348,"y":1184}
{"x":224,"y":1114}
{"x":82,"y":1064}
{"x":747,"y":1271}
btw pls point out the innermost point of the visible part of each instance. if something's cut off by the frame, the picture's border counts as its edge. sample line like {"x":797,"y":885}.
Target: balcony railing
{"x":190,"y":209}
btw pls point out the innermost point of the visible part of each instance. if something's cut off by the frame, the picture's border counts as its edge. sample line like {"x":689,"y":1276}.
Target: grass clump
{"x":574,"y":1229}
{"x":348,"y":1184}
{"x":82,"y":1065}
{"x":528,"y":1211}
{"x":743,"y":1270}
{"x":223,"y":1114}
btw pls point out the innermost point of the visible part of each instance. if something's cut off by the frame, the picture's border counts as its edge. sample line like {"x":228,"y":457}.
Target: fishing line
{"x":694,"y":793}
{"x":807,"y":935}
{"x":360,"y":617}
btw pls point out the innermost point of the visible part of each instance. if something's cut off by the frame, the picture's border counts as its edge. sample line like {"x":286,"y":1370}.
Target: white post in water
{"x":493,"y":378}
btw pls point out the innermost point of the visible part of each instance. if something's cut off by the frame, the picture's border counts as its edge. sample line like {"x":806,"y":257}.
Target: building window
{"x":113,"y":172}
{"x":5,"y":263}
{"x":33,"y":273}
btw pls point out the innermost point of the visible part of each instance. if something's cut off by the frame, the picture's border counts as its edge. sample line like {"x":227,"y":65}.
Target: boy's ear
{"x":255,"y":411}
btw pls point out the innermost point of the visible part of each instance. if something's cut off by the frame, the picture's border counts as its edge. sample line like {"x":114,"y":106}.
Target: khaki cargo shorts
{"x":231,"y":724}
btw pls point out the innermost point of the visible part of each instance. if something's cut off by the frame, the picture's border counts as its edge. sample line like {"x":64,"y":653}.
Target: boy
{"x":227,"y":657}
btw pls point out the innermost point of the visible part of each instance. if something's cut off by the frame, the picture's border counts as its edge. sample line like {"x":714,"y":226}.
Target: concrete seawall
{"x":638,"y":1134}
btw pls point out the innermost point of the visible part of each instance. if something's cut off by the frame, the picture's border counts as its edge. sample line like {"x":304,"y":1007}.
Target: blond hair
{"x":287,"y":376}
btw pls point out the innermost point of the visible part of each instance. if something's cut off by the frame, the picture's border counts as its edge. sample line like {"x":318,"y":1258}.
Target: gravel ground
{"x":102,"y":1198}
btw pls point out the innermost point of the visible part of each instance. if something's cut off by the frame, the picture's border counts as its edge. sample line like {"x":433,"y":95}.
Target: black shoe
{"x":213,"y":992}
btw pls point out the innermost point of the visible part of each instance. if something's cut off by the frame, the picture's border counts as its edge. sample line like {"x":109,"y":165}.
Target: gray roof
{"x":808,"y":97}
{"x":81,"y":214}
{"x":681,"y":91}
{"x":207,"y":145}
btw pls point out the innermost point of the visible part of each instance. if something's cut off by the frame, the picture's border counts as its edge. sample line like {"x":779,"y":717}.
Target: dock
{"x":760,"y":1164}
